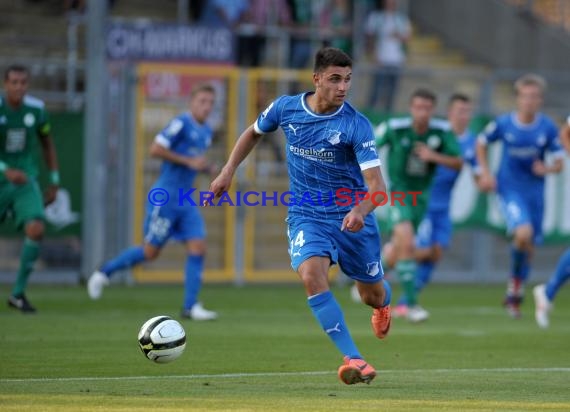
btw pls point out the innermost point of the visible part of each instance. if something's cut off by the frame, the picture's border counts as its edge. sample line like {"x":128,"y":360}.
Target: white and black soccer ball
{"x":162,"y":339}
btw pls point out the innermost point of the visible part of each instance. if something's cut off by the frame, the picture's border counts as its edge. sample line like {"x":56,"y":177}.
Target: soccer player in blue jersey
{"x":527,"y":135}
{"x":330,"y":146}
{"x":544,"y":294}
{"x":181,"y":145}
{"x":434,"y":232}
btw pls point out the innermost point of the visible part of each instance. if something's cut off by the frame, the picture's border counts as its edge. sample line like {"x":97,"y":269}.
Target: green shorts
{"x":407,"y":212}
{"x":24,"y":201}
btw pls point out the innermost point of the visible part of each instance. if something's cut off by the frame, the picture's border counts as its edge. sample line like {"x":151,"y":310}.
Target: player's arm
{"x":50,"y":157}
{"x":15,"y":176}
{"x":159,"y":151}
{"x":243,"y":147}
{"x":565,"y":135}
{"x":354,"y":220}
{"x":428,"y":155}
{"x":539,"y":167}
{"x":487,"y":182}
{"x":266,"y":122}
{"x":382,"y":134}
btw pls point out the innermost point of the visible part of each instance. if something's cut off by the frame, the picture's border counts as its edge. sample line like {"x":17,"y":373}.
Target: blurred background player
{"x":329,"y":147}
{"x":24,"y":121}
{"x":434,"y":232}
{"x":544,"y":294}
{"x":527,"y":135}
{"x":416,"y":145}
{"x":181,"y":145}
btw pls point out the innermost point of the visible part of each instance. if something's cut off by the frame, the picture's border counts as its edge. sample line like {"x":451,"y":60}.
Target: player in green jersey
{"x":416,"y":145}
{"x":23,"y":124}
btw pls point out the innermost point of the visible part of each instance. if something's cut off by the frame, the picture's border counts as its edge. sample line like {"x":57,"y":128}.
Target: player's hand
{"x":199,"y":163}
{"x":487,"y":182}
{"x":50,"y":194}
{"x":16,"y":176}
{"x":353,"y":221}
{"x":220,"y":184}
{"x":539,"y":168}
{"x":424,"y":152}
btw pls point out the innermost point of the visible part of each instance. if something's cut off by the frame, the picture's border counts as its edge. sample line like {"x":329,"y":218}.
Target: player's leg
{"x":422,"y":253}
{"x":359,"y":259}
{"x":157,"y":228}
{"x":312,"y":253}
{"x":440,"y":238}
{"x":28,"y":209}
{"x":517,"y":217}
{"x":192,"y":229}
{"x":193,"y":275}
{"x":544,"y":294}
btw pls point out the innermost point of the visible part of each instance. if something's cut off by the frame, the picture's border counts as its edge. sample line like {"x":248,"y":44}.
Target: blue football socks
{"x":520,"y":266}
{"x":559,"y":277}
{"x":330,"y":316}
{"x":192,"y":279}
{"x":126,"y":259}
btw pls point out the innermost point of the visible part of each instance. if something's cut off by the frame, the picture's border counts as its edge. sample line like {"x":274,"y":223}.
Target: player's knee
{"x":151,"y":252}
{"x":437,"y":253}
{"x":196,"y":247}
{"x":523,"y":236}
{"x":35,"y":230}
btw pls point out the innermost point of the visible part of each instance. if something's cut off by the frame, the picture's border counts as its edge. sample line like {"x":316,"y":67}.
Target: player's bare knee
{"x":437,"y":253}
{"x":196,"y":247}
{"x":151,"y":252}
{"x":35,"y":230}
{"x":523,"y":237}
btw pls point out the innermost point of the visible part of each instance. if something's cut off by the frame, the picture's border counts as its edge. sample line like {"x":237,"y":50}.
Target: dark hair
{"x":458,"y":97}
{"x":424,"y":94}
{"x":15,"y":68}
{"x":331,"y":56}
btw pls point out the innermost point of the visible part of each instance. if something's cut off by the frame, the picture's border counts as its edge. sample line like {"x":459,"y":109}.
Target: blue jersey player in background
{"x":527,"y":135}
{"x":181,"y":145}
{"x":544,"y":294}
{"x":329,"y":146}
{"x":435,"y":230}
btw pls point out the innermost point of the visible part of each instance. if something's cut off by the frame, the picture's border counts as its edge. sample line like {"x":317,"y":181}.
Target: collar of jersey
{"x":308,"y":110}
{"x":525,"y":126}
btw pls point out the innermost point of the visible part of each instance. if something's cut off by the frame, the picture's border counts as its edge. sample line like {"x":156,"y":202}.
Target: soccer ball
{"x":162,"y":339}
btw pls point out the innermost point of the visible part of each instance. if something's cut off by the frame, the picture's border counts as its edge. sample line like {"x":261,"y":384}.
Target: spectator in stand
{"x":260,"y":15}
{"x":388,"y":31}
{"x":336,"y":15}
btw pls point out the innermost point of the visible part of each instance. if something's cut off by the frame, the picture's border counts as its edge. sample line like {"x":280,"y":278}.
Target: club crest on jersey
{"x":541,"y":141}
{"x":373,"y":268}
{"x":29,"y":120}
{"x":333,"y":136}
{"x":433,"y":142}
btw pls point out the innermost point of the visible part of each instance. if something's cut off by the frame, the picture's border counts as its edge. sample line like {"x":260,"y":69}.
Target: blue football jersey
{"x":522,"y":145}
{"x":185,"y":136}
{"x":445,"y":177}
{"x":325,"y":152}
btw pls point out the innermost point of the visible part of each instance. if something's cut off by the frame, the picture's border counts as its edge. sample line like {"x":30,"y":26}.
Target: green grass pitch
{"x":267,"y":353}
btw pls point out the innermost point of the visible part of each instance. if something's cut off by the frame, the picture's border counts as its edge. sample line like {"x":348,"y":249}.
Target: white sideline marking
{"x":275,"y":374}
